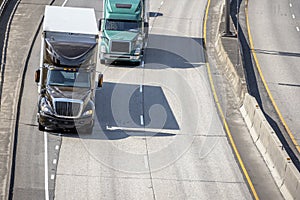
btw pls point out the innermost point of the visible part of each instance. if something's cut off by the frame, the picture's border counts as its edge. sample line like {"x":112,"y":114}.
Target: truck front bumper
{"x":55,"y":123}
{"x":122,"y":57}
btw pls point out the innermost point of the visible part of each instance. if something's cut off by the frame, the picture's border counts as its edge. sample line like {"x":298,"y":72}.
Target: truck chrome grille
{"x":69,"y":109}
{"x":120,"y":47}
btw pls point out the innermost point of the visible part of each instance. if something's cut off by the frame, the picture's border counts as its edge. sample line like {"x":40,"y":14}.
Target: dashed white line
{"x":291,"y":5}
{"x":297,"y":28}
{"x":142,"y":120}
{"x":293,"y":16}
{"x":52,"y":176}
{"x":56,"y":147}
{"x":46,"y":166}
{"x":141,"y":88}
{"x":162,"y":3}
{"x":54,"y":161}
{"x":143,"y":64}
{"x":64,"y":3}
{"x":146,"y":162}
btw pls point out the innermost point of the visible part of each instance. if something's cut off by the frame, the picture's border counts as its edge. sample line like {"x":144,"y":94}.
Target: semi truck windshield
{"x":69,"y":78}
{"x":122,"y":25}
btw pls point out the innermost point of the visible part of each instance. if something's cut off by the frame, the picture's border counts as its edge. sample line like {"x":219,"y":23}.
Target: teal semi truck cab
{"x":124,"y":28}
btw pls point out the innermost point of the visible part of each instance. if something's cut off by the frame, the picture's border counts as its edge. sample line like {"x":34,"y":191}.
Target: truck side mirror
{"x":100,"y":25}
{"x":37,"y":75}
{"x":100,"y":80}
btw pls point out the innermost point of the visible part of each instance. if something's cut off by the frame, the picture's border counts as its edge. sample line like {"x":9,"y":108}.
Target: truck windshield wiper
{"x":58,"y":90}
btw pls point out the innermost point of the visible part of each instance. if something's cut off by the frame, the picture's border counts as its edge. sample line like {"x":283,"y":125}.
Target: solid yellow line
{"x":265,"y":83}
{"x":222,"y":114}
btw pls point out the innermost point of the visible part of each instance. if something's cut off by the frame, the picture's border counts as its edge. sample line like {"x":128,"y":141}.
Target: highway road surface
{"x":157,"y":132}
{"x":275,"y":29}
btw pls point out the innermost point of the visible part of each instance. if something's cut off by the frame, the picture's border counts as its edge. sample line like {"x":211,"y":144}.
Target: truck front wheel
{"x":41,"y":127}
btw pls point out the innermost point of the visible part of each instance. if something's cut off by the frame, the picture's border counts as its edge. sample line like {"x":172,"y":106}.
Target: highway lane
{"x":275,"y":31}
{"x":157,"y":136}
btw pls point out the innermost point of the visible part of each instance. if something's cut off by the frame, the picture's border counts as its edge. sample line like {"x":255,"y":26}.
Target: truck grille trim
{"x":67,"y":109}
{"x":120,"y":47}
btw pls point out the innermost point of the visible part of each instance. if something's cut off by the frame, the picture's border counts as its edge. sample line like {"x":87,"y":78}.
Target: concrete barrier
{"x":229,"y":70}
{"x":292,"y":180}
{"x":283,"y":170}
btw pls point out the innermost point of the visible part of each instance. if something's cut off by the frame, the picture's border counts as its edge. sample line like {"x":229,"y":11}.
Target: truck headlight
{"x":46,"y":109}
{"x":103,"y":49}
{"x":137,"y":51}
{"x":87,"y":113}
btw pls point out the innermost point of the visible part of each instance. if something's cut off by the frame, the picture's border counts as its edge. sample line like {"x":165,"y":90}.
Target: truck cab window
{"x":69,"y":78}
{"x":122,"y":25}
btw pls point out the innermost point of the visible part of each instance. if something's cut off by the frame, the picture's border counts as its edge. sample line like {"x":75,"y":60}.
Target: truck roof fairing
{"x":129,"y":10}
{"x":69,"y":53}
{"x":70,"y":20}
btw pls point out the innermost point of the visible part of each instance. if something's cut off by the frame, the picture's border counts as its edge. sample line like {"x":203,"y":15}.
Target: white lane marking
{"x":143,"y":64}
{"x":54,"y":161}
{"x":293,"y":16}
{"x":154,"y":130}
{"x":162,"y":3}
{"x":52,"y":176}
{"x":291,"y":5}
{"x":64,"y":3}
{"x":142,"y":120}
{"x":297,"y":28}
{"x":56,"y":147}
{"x":46,"y":166}
{"x":146,"y":162}
{"x":141,"y":88}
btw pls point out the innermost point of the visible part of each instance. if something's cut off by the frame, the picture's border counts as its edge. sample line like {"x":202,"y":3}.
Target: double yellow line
{"x":266,"y":85}
{"x":222,"y":114}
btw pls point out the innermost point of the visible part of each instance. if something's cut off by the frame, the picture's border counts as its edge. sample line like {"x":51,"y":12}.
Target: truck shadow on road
{"x":165,"y":51}
{"x":122,"y":111}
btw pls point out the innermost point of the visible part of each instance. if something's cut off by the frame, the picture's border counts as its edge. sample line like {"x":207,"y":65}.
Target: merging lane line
{"x":293,"y":16}
{"x":46,"y":166}
{"x":297,"y":28}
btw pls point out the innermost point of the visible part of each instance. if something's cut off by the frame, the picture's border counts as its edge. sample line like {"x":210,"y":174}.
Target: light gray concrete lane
{"x":118,"y":160}
{"x":190,"y":161}
{"x":276,"y":39}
